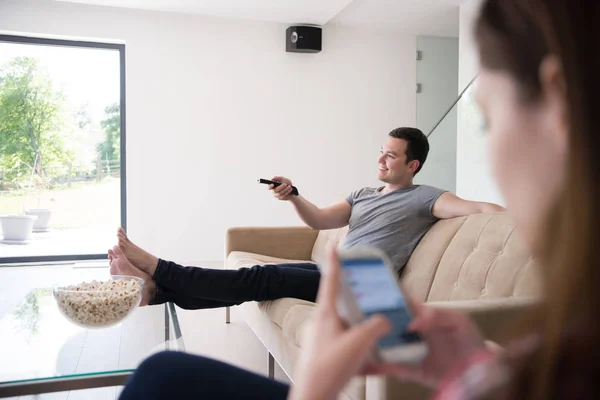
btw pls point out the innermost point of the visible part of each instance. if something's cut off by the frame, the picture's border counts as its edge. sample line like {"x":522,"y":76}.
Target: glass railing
{"x":462,"y":116}
{"x":469,"y":96}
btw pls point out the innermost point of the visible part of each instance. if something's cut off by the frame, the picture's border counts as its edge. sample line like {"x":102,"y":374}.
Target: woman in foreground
{"x":539,"y":87}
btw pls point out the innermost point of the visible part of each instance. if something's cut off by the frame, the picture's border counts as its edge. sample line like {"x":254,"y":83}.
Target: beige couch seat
{"x":476,"y":264}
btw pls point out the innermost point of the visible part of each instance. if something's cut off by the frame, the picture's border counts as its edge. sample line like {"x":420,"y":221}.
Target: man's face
{"x":392,"y":162}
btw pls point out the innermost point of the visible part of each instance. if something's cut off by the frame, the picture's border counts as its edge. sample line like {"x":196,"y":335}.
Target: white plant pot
{"x":17,"y":229}
{"x":43,"y":218}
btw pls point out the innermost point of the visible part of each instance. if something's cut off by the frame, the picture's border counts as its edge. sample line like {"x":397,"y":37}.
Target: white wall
{"x":437,"y":72}
{"x":214,"y":104}
{"x":473,"y":177}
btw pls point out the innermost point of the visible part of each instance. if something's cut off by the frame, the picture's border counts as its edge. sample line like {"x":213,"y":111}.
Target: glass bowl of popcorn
{"x":99,"y":304}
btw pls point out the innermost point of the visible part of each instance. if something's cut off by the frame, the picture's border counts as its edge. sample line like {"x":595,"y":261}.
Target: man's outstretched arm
{"x":335,"y":216}
{"x":449,"y":205}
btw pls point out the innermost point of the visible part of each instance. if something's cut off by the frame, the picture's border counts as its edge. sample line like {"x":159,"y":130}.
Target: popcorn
{"x":99,"y":304}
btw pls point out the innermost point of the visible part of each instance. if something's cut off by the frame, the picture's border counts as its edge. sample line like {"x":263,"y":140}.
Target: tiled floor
{"x":204,"y":331}
{"x":207,"y":334}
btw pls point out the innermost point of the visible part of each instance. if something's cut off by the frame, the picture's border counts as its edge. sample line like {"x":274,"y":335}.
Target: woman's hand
{"x":451,"y":337}
{"x":334,"y":354}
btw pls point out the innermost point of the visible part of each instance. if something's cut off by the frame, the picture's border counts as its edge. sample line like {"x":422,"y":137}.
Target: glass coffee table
{"x":42,"y":352}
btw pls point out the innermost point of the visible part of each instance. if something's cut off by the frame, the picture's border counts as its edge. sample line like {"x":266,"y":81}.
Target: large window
{"x":62,"y":148}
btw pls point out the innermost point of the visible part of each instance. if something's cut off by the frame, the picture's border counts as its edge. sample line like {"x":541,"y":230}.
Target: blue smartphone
{"x":370,"y":286}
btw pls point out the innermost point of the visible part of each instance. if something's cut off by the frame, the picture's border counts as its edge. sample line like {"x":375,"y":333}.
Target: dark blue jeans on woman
{"x":195,"y":288}
{"x":171,"y":375}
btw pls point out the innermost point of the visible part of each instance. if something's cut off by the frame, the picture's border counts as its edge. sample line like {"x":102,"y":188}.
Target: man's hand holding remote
{"x":283,"y":191}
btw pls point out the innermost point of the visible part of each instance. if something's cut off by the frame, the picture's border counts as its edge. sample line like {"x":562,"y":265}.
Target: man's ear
{"x":413,"y":166}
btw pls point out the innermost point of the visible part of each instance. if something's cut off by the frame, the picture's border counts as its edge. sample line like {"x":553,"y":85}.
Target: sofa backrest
{"x":326,"y":240}
{"x":467,"y":258}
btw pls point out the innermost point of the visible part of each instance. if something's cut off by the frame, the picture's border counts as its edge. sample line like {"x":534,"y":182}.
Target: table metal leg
{"x":271,"y":366}
{"x":167,"y":328}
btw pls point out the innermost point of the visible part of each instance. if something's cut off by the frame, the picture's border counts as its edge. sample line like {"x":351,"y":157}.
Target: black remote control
{"x":275,"y":184}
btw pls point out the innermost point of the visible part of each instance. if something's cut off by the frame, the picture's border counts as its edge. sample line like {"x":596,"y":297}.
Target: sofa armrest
{"x":295,"y":243}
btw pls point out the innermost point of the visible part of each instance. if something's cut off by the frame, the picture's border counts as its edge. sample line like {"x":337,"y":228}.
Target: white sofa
{"x":473,"y":263}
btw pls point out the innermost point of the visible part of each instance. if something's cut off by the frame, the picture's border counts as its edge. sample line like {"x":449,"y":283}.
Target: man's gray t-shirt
{"x":394,"y":222}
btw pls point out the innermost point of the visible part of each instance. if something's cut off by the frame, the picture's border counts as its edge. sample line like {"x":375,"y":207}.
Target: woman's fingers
{"x":411,"y":373}
{"x":364,"y":336}
{"x":400,"y":372}
{"x":357,"y":344}
{"x":424,"y":318}
{"x":417,"y":309}
{"x":415,"y":306}
{"x":429,"y":318}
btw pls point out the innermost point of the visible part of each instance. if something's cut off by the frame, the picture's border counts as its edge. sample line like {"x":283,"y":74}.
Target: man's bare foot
{"x":120,"y":265}
{"x":138,"y":256}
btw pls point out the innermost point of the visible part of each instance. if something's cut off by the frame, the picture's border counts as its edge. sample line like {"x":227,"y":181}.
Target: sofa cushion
{"x":484,"y":260}
{"x":297,"y":322}
{"x":423,"y":263}
{"x":327,"y":239}
{"x":276,"y":310}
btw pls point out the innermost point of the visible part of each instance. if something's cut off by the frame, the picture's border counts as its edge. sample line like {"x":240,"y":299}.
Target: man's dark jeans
{"x":194,"y":288}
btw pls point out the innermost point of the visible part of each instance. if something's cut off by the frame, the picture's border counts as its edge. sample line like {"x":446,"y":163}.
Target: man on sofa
{"x":393,"y":217}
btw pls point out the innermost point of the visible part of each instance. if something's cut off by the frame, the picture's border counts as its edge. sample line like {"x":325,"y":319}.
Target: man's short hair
{"x":417,"y":145}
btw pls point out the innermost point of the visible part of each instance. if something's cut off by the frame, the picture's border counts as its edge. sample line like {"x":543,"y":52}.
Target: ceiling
{"x":424,"y":17}
{"x":429,"y":17}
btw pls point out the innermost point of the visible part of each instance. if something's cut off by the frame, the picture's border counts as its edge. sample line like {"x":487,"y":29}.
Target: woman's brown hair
{"x":515,"y":36}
